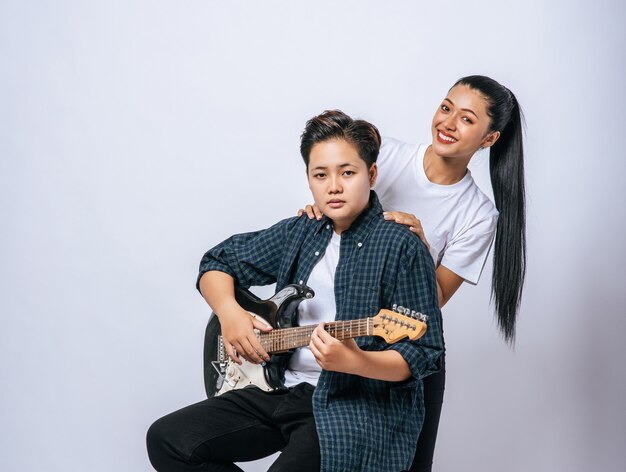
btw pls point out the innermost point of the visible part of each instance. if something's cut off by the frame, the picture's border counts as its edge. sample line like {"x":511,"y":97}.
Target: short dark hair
{"x":335,"y":124}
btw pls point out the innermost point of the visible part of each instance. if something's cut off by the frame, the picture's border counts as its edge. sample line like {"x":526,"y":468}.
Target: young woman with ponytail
{"x":456,"y":220}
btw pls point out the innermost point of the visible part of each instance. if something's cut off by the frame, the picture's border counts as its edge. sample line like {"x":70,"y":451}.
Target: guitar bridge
{"x":220,"y":364}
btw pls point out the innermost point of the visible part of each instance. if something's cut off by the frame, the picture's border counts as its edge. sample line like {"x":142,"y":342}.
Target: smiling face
{"x":339,"y":181}
{"x":461,"y":125}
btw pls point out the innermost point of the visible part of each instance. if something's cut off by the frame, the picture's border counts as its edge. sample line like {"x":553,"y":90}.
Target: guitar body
{"x":279,"y":311}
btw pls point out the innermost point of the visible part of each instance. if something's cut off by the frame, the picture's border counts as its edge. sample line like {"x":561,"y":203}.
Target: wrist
{"x":358,"y":364}
{"x":227,"y":307}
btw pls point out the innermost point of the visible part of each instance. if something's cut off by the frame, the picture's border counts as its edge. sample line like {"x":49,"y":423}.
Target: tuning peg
{"x":394,"y":307}
{"x":419,"y":316}
{"x":400,"y":309}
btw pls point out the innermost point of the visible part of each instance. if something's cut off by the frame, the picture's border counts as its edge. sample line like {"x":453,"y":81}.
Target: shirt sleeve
{"x":250,"y":258}
{"x":467,"y":253}
{"x":416,"y":288}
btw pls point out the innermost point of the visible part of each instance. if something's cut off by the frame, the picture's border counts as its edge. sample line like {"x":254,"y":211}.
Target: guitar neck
{"x":299,"y":336}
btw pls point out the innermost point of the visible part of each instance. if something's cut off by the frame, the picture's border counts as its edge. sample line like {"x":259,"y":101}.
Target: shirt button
{"x":359,"y":244}
{"x":317,"y":253}
{"x":327,"y":226}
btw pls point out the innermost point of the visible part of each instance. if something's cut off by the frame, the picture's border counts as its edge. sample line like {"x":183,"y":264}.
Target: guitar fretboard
{"x":299,"y":336}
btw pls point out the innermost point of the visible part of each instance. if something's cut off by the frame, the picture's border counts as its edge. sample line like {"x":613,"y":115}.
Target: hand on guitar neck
{"x":332,"y":354}
{"x":346,"y":356}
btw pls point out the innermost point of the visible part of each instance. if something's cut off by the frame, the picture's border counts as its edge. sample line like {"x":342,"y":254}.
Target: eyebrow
{"x":341,"y":166}
{"x":463,"y":109}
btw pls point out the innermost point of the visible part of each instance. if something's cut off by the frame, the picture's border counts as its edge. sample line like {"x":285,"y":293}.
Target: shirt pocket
{"x":361,"y":302}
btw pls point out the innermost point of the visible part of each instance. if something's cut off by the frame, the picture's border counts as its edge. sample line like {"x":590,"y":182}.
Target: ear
{"x":373,"y":174}
{"x":490,"y":139}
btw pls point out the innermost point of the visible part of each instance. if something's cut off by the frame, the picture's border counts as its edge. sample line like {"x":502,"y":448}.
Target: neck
{"x":444,"y":170}
{"x":341,"y":225}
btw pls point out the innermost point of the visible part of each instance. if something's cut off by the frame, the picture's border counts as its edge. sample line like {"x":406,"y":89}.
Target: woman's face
{"x":461,"y":124}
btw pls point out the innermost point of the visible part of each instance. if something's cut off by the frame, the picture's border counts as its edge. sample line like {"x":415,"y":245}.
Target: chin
{"x":445,"y":150}
{"x":334,"y":214}
{"x":440,"y":149}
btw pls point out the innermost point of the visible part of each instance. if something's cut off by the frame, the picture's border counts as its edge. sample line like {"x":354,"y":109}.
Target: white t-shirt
{"x":459,"y":220}
{"x":321,"y":308}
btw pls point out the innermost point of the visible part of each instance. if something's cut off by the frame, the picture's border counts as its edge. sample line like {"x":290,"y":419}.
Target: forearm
{"x":447,"y":284}
{"x":347,"y":357}
{"x":440,"y":297}
{"x":382,"y":365}
{"x":218,"y":289}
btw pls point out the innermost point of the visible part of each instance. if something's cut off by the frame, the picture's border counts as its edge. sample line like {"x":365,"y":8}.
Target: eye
{"x":467,"y":120}
{"x":348,"y":172}
{"x":445,"y":108}
{"x":319,"y":175}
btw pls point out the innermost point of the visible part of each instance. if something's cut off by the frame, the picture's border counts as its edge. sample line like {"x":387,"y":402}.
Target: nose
{"x":334,"y":184}
{"x":449,"y":122}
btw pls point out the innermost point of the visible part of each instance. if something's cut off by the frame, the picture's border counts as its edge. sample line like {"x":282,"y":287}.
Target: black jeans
{"x":238,"y":426}
{"x":434,"y":386}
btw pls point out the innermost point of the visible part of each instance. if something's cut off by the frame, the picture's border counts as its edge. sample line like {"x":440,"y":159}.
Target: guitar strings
{"x":298,"y":336}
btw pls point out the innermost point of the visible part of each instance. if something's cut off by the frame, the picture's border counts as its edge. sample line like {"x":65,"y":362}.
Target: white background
{"x":134,"y":135}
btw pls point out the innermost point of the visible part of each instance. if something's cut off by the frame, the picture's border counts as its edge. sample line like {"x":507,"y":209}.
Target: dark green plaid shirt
{"x":363,"y":424}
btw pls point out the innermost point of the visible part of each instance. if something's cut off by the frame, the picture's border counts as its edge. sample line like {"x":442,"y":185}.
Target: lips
{"x":335,"y":203}
{"x":445,"y":138}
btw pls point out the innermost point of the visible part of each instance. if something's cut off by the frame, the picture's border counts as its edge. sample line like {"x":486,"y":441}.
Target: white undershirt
{"x":321,"y":308}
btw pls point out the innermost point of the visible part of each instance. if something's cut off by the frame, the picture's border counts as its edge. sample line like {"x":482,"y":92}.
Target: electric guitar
{"x":221,"y":374}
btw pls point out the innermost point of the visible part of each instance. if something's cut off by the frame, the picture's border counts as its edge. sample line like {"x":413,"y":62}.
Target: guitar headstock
{"x":401,"y":323}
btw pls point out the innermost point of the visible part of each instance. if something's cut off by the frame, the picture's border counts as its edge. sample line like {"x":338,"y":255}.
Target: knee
{"x":157,"y":443}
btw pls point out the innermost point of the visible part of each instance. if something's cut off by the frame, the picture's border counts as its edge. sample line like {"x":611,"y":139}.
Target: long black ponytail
{"x":506,"y":165}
